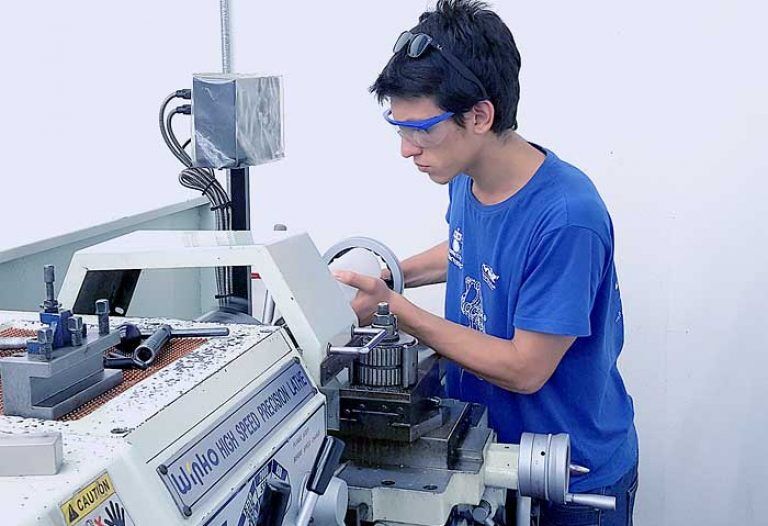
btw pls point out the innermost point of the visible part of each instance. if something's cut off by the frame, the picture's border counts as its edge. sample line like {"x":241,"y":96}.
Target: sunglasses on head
{"x":418,"y":43}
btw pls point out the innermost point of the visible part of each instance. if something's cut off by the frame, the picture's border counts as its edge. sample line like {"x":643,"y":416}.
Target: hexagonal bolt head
{"x":384,"y":319}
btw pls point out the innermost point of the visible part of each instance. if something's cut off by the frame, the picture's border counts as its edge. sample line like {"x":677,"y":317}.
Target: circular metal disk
{"x":378,"y":248}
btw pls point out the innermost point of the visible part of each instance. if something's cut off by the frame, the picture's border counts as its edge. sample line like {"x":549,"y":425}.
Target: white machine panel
{"x":251,"y":386}
{"x":298,"y":453}
{"x":191,"y":473}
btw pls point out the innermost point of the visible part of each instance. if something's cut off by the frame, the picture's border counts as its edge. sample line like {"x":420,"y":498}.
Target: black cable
{"x":221,"y":206}
{"x":208,"y":186}
{"x":182,"y":155}
{"x":200,"y":179}
{"x":204,"y":181}
{"x":162,"y":122}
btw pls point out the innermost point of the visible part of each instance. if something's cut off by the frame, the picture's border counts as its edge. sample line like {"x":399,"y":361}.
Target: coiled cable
{"x":201,"y":179}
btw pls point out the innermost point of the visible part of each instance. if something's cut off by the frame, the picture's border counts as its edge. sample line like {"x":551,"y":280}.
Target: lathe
{"x":247,"y":428}
{"x":225,"y":421}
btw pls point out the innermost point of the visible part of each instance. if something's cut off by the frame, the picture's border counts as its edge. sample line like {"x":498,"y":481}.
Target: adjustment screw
{"x":50,"y":305}
{"x":45,"y":342}
{"x":102,"y":313}
{"x":75,"y":326}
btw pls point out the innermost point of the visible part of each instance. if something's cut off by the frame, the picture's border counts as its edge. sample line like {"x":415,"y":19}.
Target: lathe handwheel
{"x":378,"y":248}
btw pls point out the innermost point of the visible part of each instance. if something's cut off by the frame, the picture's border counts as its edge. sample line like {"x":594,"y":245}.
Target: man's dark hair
{"x":481,"y":41}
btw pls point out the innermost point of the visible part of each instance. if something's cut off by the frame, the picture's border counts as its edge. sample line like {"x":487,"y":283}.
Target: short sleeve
{"x":450,"y":200}
{"x":562,"y":275}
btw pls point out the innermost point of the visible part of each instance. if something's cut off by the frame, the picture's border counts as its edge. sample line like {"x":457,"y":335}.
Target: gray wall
{"x":182,"y":293}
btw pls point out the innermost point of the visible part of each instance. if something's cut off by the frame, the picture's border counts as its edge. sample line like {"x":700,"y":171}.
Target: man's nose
{"x":408,"y":149}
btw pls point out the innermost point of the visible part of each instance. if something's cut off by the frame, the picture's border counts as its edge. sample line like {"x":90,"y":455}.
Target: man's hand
{"x":370,"y":292}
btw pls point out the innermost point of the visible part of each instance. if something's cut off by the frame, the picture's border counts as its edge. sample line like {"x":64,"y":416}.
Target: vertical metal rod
{"x":240,"y":195}
{"x":50,"y":295}
{"x":237,"y":179}
{"x":224,"y":274}
{"x":226,"y":34}
{"x":307,"y":507}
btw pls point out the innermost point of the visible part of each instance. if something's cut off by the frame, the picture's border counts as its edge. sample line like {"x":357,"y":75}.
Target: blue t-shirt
{"x":542,"y":261}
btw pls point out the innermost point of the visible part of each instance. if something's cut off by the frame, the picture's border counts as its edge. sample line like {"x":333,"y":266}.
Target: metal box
{"x":237,"y":120}
{"x":30,"y":454}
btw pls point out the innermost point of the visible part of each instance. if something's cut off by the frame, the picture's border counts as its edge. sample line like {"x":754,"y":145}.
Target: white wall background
{"x":662,"y":103}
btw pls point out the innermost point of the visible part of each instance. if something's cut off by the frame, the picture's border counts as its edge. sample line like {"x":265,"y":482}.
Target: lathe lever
{"x":325,"y":465}
{"x":377,"y":336}
{"x":276,"y":496}
{"x":601,"y":502}
{"x":147,"y":351}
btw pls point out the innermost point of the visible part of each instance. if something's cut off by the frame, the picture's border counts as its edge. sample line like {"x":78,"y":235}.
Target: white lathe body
{"x":224,"y":432}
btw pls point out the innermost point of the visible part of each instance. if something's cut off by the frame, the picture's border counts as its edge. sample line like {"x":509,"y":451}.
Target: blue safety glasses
{"x":423,"y":125}
{"x":423,"y":133}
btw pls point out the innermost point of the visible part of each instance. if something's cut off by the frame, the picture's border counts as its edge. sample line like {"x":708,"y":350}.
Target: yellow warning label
{"x":87,"y":499}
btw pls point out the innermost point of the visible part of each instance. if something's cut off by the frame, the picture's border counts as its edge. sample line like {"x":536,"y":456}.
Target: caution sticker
{"x":97,"y":504}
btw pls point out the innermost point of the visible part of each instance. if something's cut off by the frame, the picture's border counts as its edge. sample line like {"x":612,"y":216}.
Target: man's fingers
{"x":342,"y":275}
{"x":353,"y":279}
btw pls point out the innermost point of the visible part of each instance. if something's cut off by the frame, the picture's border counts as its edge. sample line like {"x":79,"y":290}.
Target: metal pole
{"x":238,"y":182}
{"x":226,"y":41}
{"x":240,"y":194}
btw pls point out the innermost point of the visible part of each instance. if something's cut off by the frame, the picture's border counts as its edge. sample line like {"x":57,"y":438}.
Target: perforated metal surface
{"x":14,"y":333}
{"x":169,"y":354}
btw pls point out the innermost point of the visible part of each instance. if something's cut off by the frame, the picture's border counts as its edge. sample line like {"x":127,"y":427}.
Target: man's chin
{"x":440,"y":177}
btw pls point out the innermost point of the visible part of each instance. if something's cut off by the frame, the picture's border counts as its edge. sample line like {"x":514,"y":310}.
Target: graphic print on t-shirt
{"x":472,"y":304}
{"x":454,"y":250}
{"x":490,"y":276}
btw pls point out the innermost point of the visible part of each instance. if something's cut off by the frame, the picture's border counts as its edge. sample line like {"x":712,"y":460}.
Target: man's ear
{"x":481,"y":116}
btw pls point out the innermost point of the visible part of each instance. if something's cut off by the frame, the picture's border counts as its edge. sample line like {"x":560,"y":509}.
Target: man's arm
{"x":523,"y":364}
{"x":427,"y":268}
{"x":565,"y":270}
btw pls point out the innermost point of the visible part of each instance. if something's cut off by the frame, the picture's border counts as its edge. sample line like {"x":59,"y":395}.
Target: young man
{"x":533,"y":324}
